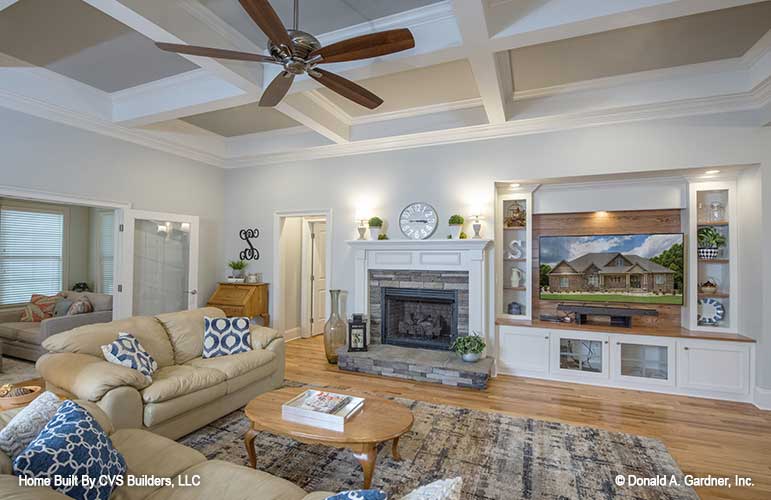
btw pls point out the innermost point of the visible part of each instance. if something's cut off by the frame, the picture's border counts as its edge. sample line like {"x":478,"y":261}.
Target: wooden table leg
{"x":395,"y":449}
{"x":367,"y":458}
{"x":249,"y":442}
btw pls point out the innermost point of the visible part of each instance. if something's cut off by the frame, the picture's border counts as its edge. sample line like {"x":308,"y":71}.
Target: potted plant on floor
{"x":469,"y":347}
{"x":375,"y":225}
{"x":456,"y":226}
{"x":710,"y":242}
{"x":237,"y":270}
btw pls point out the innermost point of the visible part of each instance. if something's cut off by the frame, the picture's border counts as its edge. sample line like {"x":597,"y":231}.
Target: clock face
{"x":418,"y":221}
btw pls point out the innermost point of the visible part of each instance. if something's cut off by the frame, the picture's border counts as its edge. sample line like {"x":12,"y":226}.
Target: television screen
{"x":635,"y":268}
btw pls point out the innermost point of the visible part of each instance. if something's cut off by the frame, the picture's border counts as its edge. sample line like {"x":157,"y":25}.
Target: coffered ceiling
{"x":480,"y":68}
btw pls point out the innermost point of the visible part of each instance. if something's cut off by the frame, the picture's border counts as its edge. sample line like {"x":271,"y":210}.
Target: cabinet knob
{"x":546,"y":337}
{"x":685,"y":348}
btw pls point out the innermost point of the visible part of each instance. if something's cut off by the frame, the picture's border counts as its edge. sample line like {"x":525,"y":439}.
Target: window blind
{"x":31,"y":245}
{"x":106,"y":250}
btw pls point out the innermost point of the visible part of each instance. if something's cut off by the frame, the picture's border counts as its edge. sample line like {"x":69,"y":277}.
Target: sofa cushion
{"x":157,"y":413}
{"x":185,"y":331}
{"x":11,"y":490}
{"x":72,"y":444}
{"x":12,"y":331}
{"x":225,"y":480}
{"x":89,"y":339}
{"x":240,"y":369}
{"x":127,"y":351}
{"x":174,"y":381}
{"x":262,"y":336}
{"x":149,"y":454}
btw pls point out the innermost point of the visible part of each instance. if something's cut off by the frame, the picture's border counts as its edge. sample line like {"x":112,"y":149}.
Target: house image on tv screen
{"x":612,"y":271}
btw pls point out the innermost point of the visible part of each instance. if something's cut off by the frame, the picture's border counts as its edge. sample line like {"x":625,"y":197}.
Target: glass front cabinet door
{"x":582,"y":355}
{"x":642,"y":360}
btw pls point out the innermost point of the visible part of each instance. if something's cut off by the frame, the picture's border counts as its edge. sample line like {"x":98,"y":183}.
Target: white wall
{"x":291,"y":269}
{"x":459,"y":176}
{"x":42,"y":155}
{"x":610,"y":196}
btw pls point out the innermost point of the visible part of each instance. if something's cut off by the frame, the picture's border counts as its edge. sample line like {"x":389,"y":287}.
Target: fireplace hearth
{"x":419,"y":318}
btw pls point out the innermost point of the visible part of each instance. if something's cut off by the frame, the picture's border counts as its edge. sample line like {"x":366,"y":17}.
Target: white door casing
{"x":318,"y":276}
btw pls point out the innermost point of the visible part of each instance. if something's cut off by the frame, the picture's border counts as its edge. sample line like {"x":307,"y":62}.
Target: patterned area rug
{"x":17,"y":370}
{"x":498,"y":456}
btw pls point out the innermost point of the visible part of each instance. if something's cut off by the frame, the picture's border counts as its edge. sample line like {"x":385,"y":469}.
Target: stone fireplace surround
{"x":457,"y":265}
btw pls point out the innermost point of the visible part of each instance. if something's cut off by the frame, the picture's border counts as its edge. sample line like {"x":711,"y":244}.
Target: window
{"x":660,"y":279}
{"x":593,"y":280}
{"x":31,"y":247}
{"x":106,"y":250}
{"x":564,"y":282}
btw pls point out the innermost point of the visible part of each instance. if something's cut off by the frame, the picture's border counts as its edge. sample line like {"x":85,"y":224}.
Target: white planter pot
{"x":455,"y":231}
{"x":374,"y":232}
{"x":471,"y":357}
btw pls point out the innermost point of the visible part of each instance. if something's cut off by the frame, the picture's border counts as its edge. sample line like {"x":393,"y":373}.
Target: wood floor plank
{"x":705,"y":436}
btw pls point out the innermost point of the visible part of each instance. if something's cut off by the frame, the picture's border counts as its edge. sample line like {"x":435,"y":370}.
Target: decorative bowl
{"x":7,"y":403}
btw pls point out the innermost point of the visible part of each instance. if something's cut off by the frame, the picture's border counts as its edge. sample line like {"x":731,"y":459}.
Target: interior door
{"x":319,"y":276}
{"x":160,"y":263}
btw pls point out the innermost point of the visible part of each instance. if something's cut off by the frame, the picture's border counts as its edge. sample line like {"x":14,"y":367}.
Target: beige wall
{"x":291,"y":260}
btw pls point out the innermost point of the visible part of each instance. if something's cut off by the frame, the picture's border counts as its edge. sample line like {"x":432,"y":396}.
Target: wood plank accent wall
{"x":598,"y":223}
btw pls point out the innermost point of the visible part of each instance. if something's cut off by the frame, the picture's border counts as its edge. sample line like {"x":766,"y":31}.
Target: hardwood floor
{"x":704,"y":436}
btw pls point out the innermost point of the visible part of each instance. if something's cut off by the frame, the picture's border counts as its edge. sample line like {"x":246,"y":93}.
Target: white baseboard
{"x":762,"y":398}
{"x":293,"y":333}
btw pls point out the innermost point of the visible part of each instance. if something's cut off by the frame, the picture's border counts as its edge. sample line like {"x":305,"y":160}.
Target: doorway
{"x":301,"y":272}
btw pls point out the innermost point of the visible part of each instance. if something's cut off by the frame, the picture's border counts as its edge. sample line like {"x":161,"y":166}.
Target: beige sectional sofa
{"x":23,"y":339}
{"x":150,"y":454}
{"x":186,"y":393}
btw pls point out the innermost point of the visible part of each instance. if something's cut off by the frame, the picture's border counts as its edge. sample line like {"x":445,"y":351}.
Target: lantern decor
{"x":357,"y":334}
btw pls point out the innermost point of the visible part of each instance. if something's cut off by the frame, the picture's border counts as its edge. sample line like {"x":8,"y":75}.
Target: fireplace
{"x":422,"y":318}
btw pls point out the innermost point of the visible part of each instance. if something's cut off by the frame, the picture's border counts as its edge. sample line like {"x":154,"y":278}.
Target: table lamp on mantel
{"x":477,"y":225}
{"x":362,"y":227}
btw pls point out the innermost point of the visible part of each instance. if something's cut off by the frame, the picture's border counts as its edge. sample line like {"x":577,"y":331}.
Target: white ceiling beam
{"x":491,"y":71}
{"x":4,"y":4}
{"x":316,"y":117}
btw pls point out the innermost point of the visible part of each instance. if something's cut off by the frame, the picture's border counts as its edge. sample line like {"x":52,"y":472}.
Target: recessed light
{"x":514,"y":186}
{"x":712,"y":172}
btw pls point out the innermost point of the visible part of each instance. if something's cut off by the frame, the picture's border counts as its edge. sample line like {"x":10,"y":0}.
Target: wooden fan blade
{"x":194,"y":50}
{"x":366,"y":46}
{"x":266,"y":18}
{"x":277,"y":89}
{"x":346,"y":88}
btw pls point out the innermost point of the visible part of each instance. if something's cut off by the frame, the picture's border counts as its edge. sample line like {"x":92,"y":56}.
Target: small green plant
{"x":709,"y":237}
{"x":237,"y":265}
{"x":449,"y":236}
{"x":470,"y":344}
{"x":382,"y":236}
{"x":463,"y":236}
{"x":456,"y":220}
{"x":376,"y":222}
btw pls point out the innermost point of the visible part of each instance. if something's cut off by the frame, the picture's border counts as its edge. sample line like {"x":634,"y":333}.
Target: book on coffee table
{"x":327,"y":410}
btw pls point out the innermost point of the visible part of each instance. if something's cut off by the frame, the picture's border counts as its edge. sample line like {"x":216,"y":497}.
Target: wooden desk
{"x":242,"y":299}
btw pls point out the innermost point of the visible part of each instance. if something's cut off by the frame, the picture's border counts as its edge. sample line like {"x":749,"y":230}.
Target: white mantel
{"x":426,"y":255}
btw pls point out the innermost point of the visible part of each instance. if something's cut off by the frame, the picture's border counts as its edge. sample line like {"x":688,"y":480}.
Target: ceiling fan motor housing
{"x":303,"y":44}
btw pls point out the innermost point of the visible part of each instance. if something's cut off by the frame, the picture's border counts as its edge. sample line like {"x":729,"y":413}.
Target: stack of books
{"x":321,"y":409}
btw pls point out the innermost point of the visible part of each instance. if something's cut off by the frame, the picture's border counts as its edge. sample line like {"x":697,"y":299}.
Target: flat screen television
{"x":626,"y":268}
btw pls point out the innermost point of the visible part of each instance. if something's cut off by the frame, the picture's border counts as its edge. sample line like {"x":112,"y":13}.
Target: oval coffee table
{"x":378,"y":421}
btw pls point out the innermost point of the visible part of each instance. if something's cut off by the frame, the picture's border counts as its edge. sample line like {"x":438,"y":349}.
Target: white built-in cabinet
{"x":718,"y":369}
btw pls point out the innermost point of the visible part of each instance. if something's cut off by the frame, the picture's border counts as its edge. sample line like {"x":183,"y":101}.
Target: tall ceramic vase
{"x":334,"y":329}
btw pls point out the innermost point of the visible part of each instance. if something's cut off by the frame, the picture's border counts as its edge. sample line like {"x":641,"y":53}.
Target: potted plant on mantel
{"x":375,"y":225}
{"x":237,"y":267}
{"x":710,"y":242}
{"x":456,"y":226}
{"x":469,"y":347}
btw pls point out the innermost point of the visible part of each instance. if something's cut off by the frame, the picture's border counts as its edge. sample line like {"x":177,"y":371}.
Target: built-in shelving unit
{"x":513,"y":248}
{"x":712,"y":207}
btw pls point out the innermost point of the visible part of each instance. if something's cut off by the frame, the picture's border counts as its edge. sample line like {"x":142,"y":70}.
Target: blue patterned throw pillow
{"x":72,"y":445}
{"x":127,"y":351}
{"x":225,"y":336}
{"x":360,"y":495}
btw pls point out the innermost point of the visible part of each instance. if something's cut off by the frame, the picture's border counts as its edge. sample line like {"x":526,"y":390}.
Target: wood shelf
{"x":516,"y":288}
{"x":716,"y":295}
{"x":523,"y":259}
{"x":715,"y":223}
{"x":515,"y":228}
{"x":713,"y":261}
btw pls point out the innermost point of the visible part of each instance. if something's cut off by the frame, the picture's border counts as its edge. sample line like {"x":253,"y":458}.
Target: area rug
{"x":498,"y":456}
{"x":17,"y":370}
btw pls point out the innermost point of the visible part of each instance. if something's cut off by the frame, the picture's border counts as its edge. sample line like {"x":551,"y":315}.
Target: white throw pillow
{"x":27,"y":424}
{"x":444,"y":489}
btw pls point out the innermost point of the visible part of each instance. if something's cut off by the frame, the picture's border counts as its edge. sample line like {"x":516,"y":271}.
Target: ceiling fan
{"x":300,"y":52}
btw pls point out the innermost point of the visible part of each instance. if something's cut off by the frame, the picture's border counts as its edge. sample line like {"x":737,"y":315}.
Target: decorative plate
{"x":711,"y":311}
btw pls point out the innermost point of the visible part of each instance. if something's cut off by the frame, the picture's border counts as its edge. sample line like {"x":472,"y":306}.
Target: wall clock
{"x":418,"y":221}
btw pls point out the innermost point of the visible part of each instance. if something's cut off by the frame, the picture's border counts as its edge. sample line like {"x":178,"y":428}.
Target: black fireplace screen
{"x":422,"y":318}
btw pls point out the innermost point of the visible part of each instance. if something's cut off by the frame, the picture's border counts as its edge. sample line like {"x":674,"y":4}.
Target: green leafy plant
{"x":709,"y":237}
{"x":468,"y":345}
{"x":456,"y":220}
{"x":382,"y":236}
{"x":376,"y":222}
{"x":237,"y":265}
{"x":463,"y":236}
